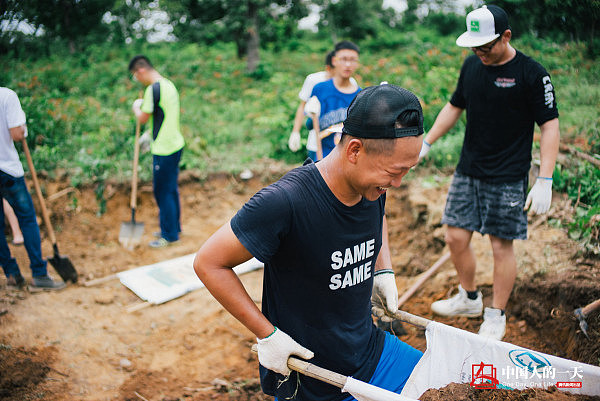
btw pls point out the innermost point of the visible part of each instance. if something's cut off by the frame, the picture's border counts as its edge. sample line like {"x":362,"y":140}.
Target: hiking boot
{"x":15,"y":282}
{"x":160,"y":243}
{"x":459,"y":305}
{"x":45,"y":283}
{"x":494,"y":324}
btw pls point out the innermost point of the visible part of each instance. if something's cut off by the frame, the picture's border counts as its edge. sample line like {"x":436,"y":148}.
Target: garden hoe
{"x":582,"y":313}
{"x":61,"y":264}
{"x":131,"y":231}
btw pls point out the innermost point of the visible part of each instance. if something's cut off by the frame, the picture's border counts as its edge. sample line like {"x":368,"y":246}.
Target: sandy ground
{"x":82,"y":343}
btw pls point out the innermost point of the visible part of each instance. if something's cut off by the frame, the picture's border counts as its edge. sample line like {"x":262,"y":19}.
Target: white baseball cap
{"x":483,"y":25}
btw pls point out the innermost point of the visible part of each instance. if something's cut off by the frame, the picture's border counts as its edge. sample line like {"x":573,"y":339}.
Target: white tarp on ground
{"x":170,"y":279}
{"x":458,"y":356}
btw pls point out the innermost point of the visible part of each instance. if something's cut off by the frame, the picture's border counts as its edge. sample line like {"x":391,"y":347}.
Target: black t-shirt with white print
{"x":319,"y":257}
{"x":502,"y":103}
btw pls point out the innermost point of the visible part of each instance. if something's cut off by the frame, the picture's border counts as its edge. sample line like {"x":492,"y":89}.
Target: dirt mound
{"x":89,"y":347}
{"x":546,"y":302}
{"x":465,"y":392}
{"x":24,"y":373}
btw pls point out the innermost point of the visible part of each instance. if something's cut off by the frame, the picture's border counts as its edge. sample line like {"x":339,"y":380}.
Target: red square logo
{"x":483,"y":376}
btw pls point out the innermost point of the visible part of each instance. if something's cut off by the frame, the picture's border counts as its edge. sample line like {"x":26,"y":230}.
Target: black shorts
{"x":488,"y":208}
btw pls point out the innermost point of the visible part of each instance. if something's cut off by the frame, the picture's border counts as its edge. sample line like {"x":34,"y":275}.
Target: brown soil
{"x":82,"y":344}
{"x":464,"y":392}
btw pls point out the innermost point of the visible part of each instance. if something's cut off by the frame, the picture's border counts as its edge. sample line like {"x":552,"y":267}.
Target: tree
{"x":353,"y":19}
{"x":556,"y":19}
{"x":248,"y":23}
{"x":66,"y":19}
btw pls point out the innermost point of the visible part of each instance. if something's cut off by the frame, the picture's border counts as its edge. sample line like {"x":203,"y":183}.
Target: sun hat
{"x":483,"y":25}
{"x":373,"y":113}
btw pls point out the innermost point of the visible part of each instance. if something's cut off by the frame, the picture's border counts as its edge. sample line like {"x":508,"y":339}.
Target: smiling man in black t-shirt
{"x":504,"y":93}
{"x":322,"y":235}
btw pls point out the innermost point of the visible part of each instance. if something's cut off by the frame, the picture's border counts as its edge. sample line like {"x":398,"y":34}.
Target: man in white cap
{"x":505,"y":93}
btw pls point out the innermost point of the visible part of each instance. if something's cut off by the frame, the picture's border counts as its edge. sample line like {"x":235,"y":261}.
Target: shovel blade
{"x":131,"y":234}
{"x":64,"y":268}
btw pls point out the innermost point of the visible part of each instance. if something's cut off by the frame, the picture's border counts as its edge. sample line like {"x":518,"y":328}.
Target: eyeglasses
{"x":345,"y":60}
{"x":133,"y":76}
{"x":487,"y":48}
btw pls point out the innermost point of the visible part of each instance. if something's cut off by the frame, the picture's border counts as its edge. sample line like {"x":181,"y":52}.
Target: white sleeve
{"x":15,"y":116}
{"x":313,"y":106}
{"x":309,"y":83}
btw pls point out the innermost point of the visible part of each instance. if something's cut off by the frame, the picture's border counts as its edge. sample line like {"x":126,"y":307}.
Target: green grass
{"x":78,"y":106}
{"x":80,"y":122}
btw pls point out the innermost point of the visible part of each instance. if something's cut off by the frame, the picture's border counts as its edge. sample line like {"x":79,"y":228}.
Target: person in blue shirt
{"x":330,"y":99}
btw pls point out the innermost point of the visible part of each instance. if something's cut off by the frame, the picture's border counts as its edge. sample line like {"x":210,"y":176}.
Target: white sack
{"x":456,"y":356}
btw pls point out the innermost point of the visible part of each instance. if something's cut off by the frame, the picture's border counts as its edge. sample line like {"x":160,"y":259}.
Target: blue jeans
{"x":14,"y":190}
{"x":166,"y":193}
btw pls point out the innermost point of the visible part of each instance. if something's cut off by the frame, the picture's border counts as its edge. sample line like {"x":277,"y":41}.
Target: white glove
{"x":275,"y":349}
{"x":145,"y":141}
{"x":424,"y":149}
{"x":540,"y":196}
{"x":385,"y":292}
{"x":313,"y":106}
{"x":137,"y":104}
{"x":294,"y":141}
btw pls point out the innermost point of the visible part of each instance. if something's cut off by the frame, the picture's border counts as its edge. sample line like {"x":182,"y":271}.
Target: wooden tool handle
{"x":424,"y":276}
{"x":314,"y":371}
{"x":136,"y":155}
{"x":412,"y":319}
{"x":38,"y":191}
{"x":590,"y":307}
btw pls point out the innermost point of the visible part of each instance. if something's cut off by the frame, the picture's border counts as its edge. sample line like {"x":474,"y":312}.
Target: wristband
{"x":382,"y":271}
{"x":426,"y":143}
{"x":545,"y":178}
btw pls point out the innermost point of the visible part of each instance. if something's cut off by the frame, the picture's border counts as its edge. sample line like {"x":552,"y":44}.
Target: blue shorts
{"x":396,"y":363}
{"x":488,"y":208}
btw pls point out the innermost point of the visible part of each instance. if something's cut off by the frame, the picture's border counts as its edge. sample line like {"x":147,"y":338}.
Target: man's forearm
{"x":384,"y":259}
{"x":214,"y":264}
{"x":299,"y":118}
{"x":445,"y":120}
{"x":550,"y":138}
{"x":226,"y":287}
{"x":18,"y":133}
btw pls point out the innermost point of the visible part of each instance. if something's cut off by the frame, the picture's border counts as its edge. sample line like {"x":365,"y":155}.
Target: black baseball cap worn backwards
{"x":374,"y":111}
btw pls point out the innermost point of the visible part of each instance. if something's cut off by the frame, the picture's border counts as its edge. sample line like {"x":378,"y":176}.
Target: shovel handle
{"x":314,"y":371}
{"x":38,"y":191}
{"x":134,"y":175}
{"x":422,"y":278}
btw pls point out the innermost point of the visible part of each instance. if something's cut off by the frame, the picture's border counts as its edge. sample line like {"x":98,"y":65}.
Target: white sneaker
{"x":494,"y":324}
{"x":459,"y":305}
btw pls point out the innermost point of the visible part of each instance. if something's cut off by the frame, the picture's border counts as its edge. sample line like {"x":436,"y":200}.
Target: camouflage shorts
{"x":488,"y":208}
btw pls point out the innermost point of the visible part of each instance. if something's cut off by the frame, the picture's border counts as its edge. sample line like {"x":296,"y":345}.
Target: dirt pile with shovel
{"x":190,"y":348}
